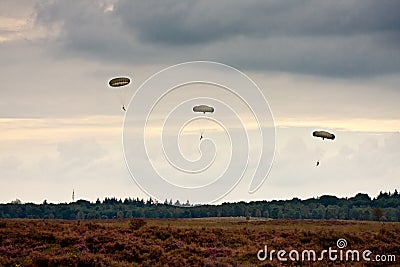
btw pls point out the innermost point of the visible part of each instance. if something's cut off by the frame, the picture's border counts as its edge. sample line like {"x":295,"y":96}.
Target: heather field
{"x":192,"y":242}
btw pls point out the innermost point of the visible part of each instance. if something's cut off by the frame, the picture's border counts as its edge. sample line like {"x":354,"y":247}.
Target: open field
{"x":190,"y":242}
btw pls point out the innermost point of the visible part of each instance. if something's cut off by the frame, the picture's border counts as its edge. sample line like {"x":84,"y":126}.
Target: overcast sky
{"x":331,"y":65}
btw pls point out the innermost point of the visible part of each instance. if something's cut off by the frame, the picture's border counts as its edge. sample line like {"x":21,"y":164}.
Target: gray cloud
{"x":83,"y":28}
{"x":341,"y":38}
{"x":20,"y":8}
{"x":185,"y":23}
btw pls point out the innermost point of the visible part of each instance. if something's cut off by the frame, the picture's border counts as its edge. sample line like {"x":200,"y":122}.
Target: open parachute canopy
{"x":203,"y":108}
{"x":323,"y":135}
{"x":119,"y":86}
{"x":119,"y":81}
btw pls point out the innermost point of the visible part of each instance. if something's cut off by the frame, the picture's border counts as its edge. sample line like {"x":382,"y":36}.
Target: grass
{"x":185,"y":242}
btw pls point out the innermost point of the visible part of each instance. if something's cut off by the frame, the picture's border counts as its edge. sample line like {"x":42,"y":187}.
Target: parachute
{"x":323,"y":135}
{"x":203,"y":108}
{"x":119,"y":81}
{"x":118,"y":84}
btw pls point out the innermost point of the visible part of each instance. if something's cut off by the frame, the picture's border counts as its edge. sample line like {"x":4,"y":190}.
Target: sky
{"x":321,"y":65}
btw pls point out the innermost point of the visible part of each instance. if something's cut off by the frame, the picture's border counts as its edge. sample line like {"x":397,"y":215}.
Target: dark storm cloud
{"x":334,"y":38}
{"x":84,"y":28}
{"x":187,"y":22}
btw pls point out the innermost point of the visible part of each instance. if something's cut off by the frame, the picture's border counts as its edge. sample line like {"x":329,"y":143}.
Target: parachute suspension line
{"x":122,"y":94}
{"x":323,"y":135}
{"x":320,"y":157}
{"x":124,"y":100}
{"x":203,"y":109}
{"x":119,"y":85}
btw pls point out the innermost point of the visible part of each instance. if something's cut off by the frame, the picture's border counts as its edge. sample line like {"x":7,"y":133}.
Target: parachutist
{"x":317,"y":163}
{"x":119,"y":85}
{"x":201,"y":137}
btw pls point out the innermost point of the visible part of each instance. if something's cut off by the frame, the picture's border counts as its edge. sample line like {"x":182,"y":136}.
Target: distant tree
{"x":360,"y":200}
{"x":398,"y":214}
{"x":360,"y":207}
{"x":367,"y":213}
{"x":16,"y":202}
{"x":239,"y":209}
{"x":332,"y":212}
{"x":129,"y":214}
{"x":120,"y":215}
{"x":274,"y":212}
{"x":258,"y":213}
{"x":318,"y":212}
{"x":140,"y":213}
{"x":82,"y":202}
{"x":328,"y":200}
{"x":396,"y":194}
{"x":344,"y":212}
{"x":377,"y":214}
{"x":141,"y":202}
{"x":93,"y":215}
{"x":383,"y":195}
{"x":265,"y":214}
{"x":149,"y":202}
{"x":391,"y":214}
{"x":80,"y":215}
{"x":187,"y":214}
{"x":355,"y":213}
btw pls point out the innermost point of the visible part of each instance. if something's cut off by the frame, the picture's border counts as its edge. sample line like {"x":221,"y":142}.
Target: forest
{"x":384,"y":207}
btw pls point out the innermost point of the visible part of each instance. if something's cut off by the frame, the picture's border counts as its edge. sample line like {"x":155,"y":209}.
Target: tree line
{"x":384,"y":207}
